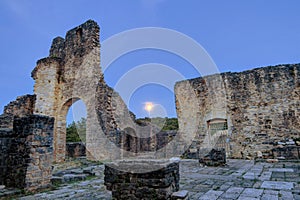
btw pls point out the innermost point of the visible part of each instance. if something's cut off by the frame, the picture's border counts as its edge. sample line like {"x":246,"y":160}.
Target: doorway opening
{"x":73,"y":128}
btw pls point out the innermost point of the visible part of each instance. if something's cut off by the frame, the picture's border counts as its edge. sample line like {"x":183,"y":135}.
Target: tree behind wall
{"x":76,"y":131}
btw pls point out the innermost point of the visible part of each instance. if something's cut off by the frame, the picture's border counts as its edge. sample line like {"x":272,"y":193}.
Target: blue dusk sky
{"x":238,"y":35}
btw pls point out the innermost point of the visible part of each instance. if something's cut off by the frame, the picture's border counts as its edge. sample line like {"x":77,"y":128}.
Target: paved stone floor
{"x":240,"y":179}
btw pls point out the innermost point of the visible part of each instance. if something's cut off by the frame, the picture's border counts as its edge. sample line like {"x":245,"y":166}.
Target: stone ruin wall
{"x":261,"y":106}
{"x":33,"y":128}
{"x":71,"y":72}
{"x":26,"y":146}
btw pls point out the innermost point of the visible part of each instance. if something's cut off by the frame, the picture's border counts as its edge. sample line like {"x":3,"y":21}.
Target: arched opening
{"x":76,"y":130}
{"x":70,"y":134}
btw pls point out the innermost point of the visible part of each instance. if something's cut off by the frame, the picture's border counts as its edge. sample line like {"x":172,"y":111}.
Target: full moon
{"x":149,"y":106}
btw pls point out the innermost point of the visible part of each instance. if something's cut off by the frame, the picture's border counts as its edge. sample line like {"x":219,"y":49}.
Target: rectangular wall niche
{"x":215,"y":125}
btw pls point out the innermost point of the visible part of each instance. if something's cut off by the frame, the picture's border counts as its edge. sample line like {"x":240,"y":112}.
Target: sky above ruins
{"x":238,"y":35}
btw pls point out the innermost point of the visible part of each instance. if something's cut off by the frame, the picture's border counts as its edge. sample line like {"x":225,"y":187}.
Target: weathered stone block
{"x":215,"y":157}
{"x":25,"y":147}
{"x":140,"y":179}
{"x":21,"y":107}
{"x":182,"y":194}
{"x":75,"y":149}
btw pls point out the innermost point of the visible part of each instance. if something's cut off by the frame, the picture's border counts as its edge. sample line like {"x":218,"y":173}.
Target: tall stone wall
{"x":261,"y":106}
{"x":72,"y":72}
{"x":256,"y":105}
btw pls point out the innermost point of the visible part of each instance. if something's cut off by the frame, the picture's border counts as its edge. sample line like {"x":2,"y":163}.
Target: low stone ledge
{"x":142,"y":179}
{"x":216,"y":157}
{"x":182,"y":194}
{"x":6,"y":193}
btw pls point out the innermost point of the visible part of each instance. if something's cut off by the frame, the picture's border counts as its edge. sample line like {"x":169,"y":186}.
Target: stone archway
{"x":71,"y":72}
{"x":60,"y":129}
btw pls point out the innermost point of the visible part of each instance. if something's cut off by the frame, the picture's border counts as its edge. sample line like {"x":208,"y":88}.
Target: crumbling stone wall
{"x":22,"y":106}
{"x":6,"y":121}
{"x":25,"y":146}
{"x":261,"y":107}
{"x":30,"y":156}
{"x":72,"y":72}
{"x":257,"y":105}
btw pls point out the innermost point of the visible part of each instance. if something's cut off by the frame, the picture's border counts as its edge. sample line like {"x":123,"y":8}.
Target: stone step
{"x":180,"y":195}
{"x":89,"y":170}
{"x":78,"y":174}
{"x":6,"y":193}
{"x":68,"y":178}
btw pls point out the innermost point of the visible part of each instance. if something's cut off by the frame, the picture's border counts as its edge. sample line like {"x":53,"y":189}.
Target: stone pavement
{"x":239,"y":179}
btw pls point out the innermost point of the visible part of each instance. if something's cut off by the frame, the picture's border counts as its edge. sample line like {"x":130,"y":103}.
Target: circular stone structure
{"x":142,"y":179}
